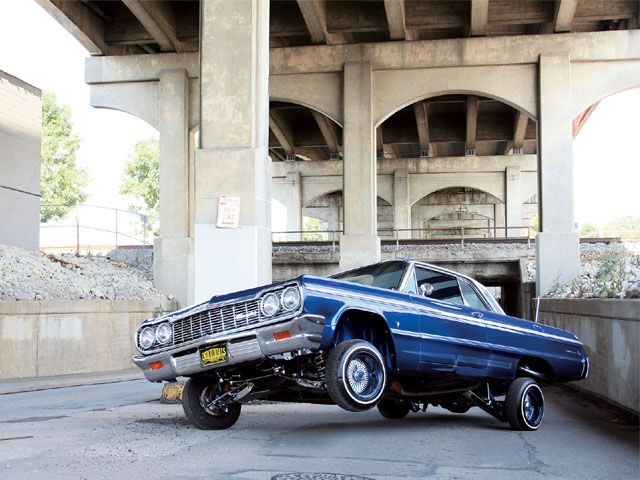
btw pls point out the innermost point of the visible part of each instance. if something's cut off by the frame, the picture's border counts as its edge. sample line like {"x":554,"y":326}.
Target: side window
{"x":445,"y":287}
{"x":470,"y":295}
{"x":412,"y":286}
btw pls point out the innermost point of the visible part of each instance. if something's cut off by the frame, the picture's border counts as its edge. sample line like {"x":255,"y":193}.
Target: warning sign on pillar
{"x":228,"y":212}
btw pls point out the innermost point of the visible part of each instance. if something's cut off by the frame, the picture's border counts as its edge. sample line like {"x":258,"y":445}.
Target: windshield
{"x":383,"y":275}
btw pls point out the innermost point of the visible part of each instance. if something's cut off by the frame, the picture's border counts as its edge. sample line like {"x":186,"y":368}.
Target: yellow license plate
{"x":213,"y":355}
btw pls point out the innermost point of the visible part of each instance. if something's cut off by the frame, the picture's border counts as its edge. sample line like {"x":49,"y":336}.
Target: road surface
{"x":121,"y":431}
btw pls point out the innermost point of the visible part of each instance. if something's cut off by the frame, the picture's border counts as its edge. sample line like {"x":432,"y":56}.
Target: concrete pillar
{"x":513,"y":190}
{"x":557,"y":245}
{"x":173,"y":250}
{"x":401,"y":208}
{"x":233,"y":157}
{"x":359,"y":244}
{"x":294,"y":205}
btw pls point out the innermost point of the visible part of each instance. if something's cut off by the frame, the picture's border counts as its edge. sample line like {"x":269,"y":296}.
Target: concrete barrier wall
{"x":610,"y":331}
{"x":39,"y":339}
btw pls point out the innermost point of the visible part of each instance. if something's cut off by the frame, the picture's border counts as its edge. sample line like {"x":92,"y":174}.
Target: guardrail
{"x":449,"y":234}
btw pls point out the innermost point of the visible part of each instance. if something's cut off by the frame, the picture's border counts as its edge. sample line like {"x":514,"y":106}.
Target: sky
{"x":606,"y":161}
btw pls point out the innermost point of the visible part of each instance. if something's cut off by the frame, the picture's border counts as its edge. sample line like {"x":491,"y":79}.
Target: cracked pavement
{"x":120,"y":430}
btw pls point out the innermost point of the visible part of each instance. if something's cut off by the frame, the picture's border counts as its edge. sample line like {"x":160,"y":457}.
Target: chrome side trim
{"x":445,"y":315}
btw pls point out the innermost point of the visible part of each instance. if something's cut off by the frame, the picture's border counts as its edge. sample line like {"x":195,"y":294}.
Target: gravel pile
{"x":140,"y":259}
{"x":606,"y":271}
{"x":26,"y":275}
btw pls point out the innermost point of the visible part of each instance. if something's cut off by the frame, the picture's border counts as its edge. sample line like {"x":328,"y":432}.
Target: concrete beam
{"x":83,"y":24}
{"x":472,"y":124}
{"x":314,"y":13}
{"x":519,"y":131}
{"x":479,"y":17}
{"x":395,"y":10}
{"x":282,"y":130}
{"x":564,"y":13}
{"x":328,"y":130}
{"x":421,"y":111}
{"x":477,"y":51}
{"x":480,"y":51}
{"x":158,"y":20}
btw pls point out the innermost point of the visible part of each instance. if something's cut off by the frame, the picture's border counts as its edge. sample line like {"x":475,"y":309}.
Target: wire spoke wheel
{"x":355,"y":375}
{"x":524,"y":404}
{"x":364,"y":375}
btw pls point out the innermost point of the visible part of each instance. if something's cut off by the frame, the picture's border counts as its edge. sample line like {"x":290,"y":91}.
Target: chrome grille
{"x":217,"y":320}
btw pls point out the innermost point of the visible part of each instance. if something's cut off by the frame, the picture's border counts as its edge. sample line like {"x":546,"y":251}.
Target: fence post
{"x":77,"y":228}
{"x":144,"y":229}
{"x":397,"y":240}
{"x":333,"y":241}
{"x":462,"y":237}
{"x":116,"y":210}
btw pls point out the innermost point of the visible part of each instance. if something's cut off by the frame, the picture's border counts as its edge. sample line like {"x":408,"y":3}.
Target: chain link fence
{"x":97,"y":229}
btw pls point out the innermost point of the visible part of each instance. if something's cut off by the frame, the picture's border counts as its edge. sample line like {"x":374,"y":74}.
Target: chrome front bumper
{"x":305,"y":330}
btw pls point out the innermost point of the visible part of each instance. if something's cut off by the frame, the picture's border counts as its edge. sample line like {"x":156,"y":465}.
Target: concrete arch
{"x":492,"y":185}
{"x":306,"y":203}
{"x":594,"y":81}
{"x":514,"y":85}
{"x":321,"y":92}
{"x":137,"y":99}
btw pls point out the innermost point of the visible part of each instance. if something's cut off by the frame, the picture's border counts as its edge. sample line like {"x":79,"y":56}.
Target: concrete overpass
{"x":409,"y":109}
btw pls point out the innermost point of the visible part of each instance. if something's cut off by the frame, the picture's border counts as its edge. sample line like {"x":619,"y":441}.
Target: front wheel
{"x":524,"y":404}
{"x":355,"y":375}
{"x":204,"y":408}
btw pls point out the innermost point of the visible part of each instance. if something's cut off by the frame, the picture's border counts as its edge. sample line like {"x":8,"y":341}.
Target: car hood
{"x":238,"y":296}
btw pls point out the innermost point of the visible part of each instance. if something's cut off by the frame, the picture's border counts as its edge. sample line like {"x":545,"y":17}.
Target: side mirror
{"x":426,"y":289}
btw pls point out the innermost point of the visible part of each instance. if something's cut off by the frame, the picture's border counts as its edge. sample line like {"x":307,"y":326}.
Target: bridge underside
{"x":373,"y":118}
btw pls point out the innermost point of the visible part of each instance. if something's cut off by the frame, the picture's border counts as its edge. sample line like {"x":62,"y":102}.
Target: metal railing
{"x":113,"y":228}
{"x":445,"y":234}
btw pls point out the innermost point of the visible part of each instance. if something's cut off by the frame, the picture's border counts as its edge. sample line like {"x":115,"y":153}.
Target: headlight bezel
{"x":141,"y":336}
{"x":169,"y":337}
{"x":263,"y":300}
{"x":298,"y":296}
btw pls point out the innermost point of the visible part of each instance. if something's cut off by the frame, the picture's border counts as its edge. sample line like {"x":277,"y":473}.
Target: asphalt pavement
{"x":121,"y":431}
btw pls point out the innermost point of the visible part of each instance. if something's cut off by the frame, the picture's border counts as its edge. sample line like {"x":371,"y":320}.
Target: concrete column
{"x":401,"y":208}
{"x":557,"y":245}
{"x":294,"y":205}
{"x":359,"y":244}
{"x":233,"y":158}
{"x":173,"y":250}
{"x":513,"y":189}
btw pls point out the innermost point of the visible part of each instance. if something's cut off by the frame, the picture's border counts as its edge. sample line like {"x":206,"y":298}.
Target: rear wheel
{"x":204,"y":408}
{"x":392,"y":408}
{"x":355,"y":375}
{"x":524,"y":404}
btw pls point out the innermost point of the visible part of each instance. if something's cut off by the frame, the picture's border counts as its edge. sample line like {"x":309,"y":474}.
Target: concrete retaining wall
{"x":610,"y":331}
{"x":39,"y":339}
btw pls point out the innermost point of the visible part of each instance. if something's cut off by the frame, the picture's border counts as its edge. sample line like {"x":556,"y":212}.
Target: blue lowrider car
{"x":399,"y":335}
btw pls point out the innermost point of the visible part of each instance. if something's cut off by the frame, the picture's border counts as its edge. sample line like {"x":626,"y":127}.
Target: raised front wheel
{"x":355,"y":375}
{"x":204,"y":405}
{"x":525,"y":404}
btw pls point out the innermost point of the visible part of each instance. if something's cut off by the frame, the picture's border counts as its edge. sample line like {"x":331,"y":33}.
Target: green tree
{"x":588,"y":230}
{"x":628,"y":226}
{"x":141,"y":177}
{"x":61,"y":181}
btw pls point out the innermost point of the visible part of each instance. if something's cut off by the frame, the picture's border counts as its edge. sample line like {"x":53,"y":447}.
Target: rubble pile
{"x":27,"y":275}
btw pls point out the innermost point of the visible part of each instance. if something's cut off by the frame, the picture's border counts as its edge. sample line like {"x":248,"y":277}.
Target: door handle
{"x":476,"y":314}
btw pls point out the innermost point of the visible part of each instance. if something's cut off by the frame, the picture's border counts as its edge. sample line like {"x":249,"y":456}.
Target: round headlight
{"x":146,"y":337}
{"x":269,"y":304}
{"x":163,"y":333}
{"x":291,"y":298}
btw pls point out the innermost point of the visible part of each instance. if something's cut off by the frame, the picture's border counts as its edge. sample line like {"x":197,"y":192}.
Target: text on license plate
{"x":213,"y":355}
